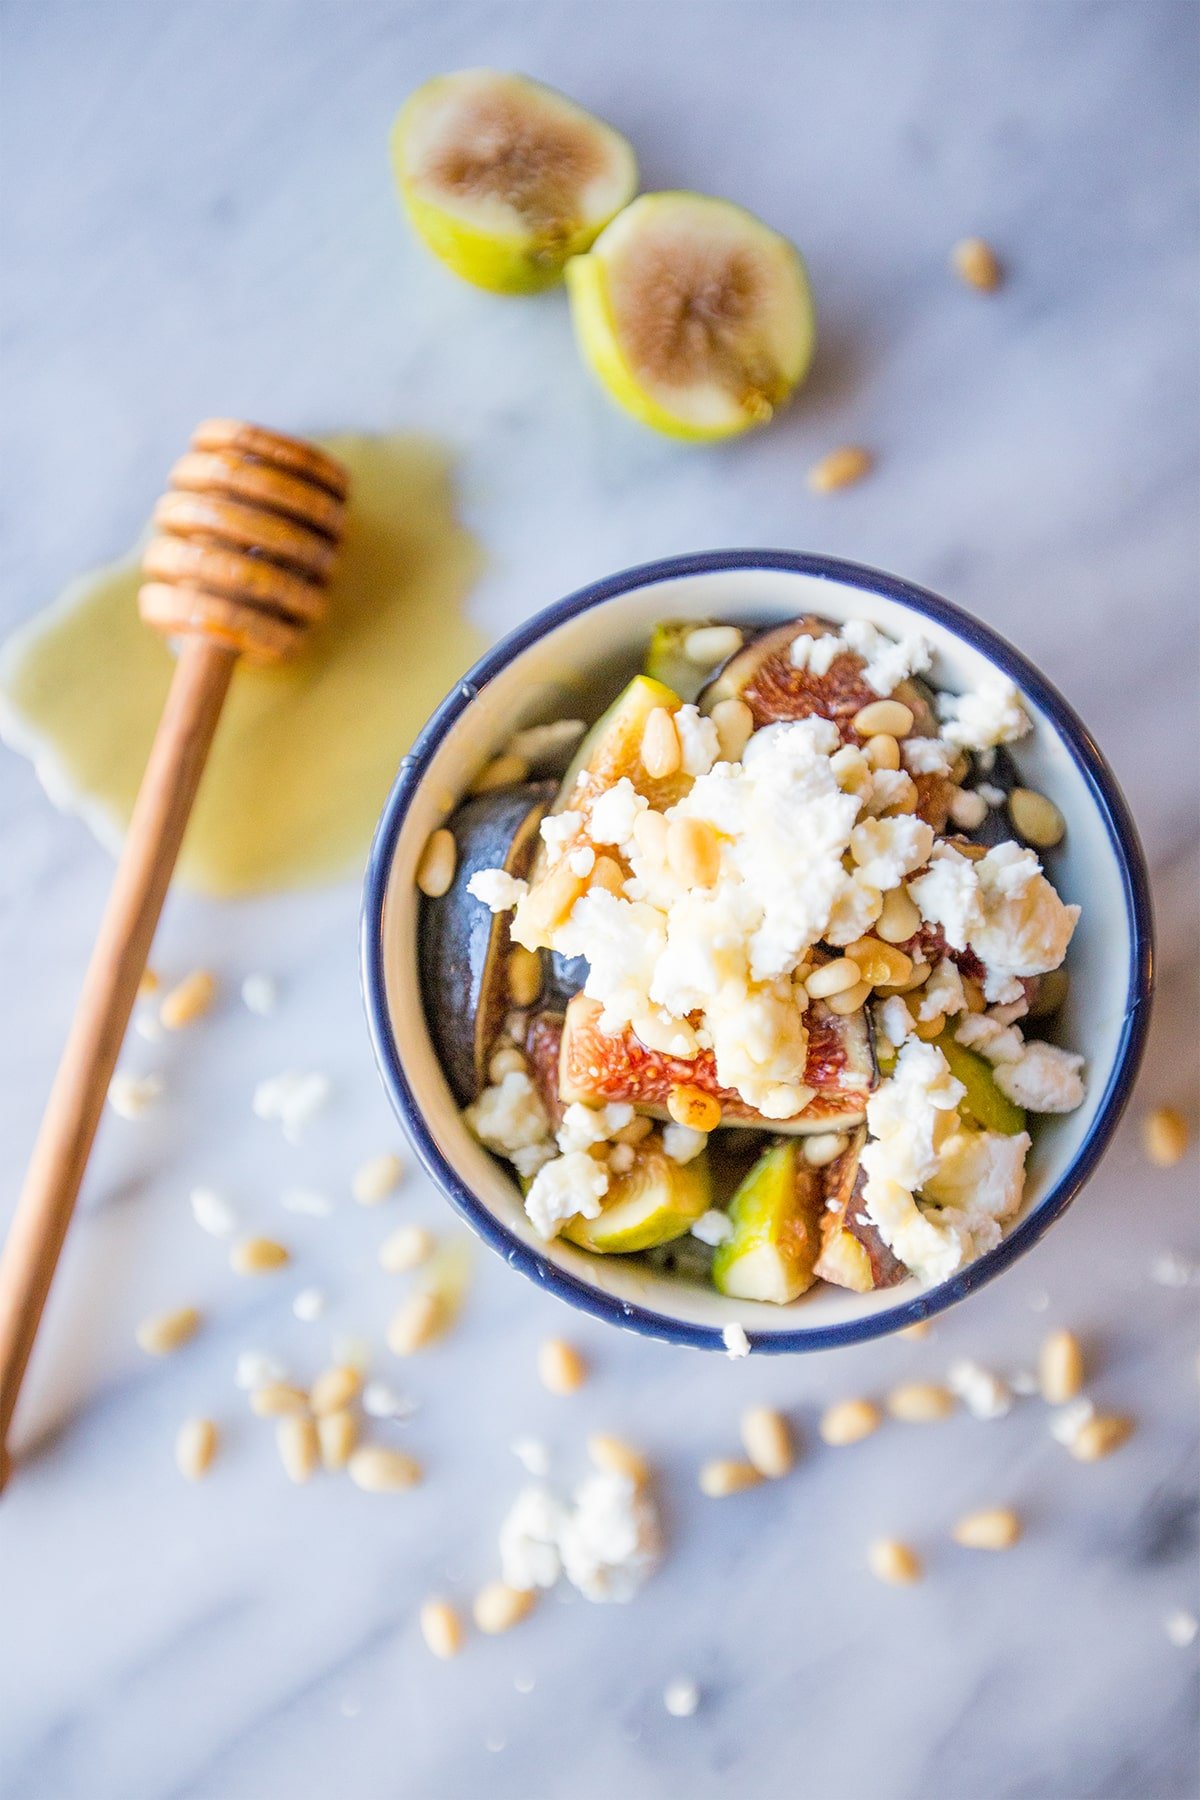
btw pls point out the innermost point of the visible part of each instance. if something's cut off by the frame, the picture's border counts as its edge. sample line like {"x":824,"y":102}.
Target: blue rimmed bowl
{"x":569,"y":661}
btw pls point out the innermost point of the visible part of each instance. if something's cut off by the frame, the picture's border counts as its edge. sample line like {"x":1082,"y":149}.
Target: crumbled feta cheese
{"x":889,"y":661}
{"x":615,"y":813}
{"x":1181,"y":1628}
{"x":529,"y":1555}
{"x":713,"y":1227}
{"x":260,"y":994}
{"x":682,"y":1143}
{"x":606,"y":1541}
{"x":509,"y":1116}
{"x":570,"y":1186}
{"x":149,"y":1027}
{"x":968,"y":809}
{"x":895,"y":1020}
{"x":1002,"y":907}
{"x":992,"y":715}
{"x":1008,"y":1015}
{"x":817,"y":654}
{"x":130,"y":1096}
{"x":854,"y":911}
{"x":988,"y":1038}
{"x":981,"y":1174}
{"x":889,"y":788}
{"x":942,"y":993}
{"x":886,"y":850}
{"x":212,"y":1212}
{"x":291,"y":1100}
{"x":990,"y":794}
{"x":698,"y":741}
{"x":736,"y":1343}
{"x":532,"y":1455}
{"x":947,"y":894}
{"x":1044,"y":1078}
{"x":539,"y":745}
{"x":582,"y":1126}
{"x":621,"y":1159}
{"x":380,"y":1401}
{"x":582,"y":861}
{"x":681,"y":1697}
{"x":926,"y":756}
{"x":1066,"y":1422}
{"x":497,"y":889}
{"x":309,"y":1305}
{"x":255,"y":1369}
{"x":558,"y":830}
{"x":982,"y":1392}
{"x":1170,"y":1269}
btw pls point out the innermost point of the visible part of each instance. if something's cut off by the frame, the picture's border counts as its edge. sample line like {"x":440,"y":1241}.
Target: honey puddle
{"x":305,"y":752}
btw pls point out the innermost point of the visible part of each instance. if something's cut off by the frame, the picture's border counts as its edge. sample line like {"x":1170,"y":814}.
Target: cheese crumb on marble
{"x":606,"y":1539}
{"x":681,"y":1697}
{"x":213,"y":1213}
{"x":132,"y":1096}
{"x":984,"y":1394}
{"x":291,"y":1100}
{"x":736,"y":1343}
{"x":260,"y":995}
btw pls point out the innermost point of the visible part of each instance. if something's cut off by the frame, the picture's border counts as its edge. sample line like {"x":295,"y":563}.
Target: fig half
{"x":776,"y":1219}
{"x":505,"y":179}
{"x":694,"y":315}
{"x":853,"y":1255}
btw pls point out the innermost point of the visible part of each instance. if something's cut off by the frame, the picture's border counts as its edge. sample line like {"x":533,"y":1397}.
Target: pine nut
{"x":920,"y":1402}
{"x":692,"y":1107}
{"x":442,"y":1629}
{"x":735,"y":727}
{"x":929,"y":1029}
{"x":439,"y":859}
{"x":275,"y":1399}
{"x":258,"y":1256}
{"x":974,"y":996}
{"x":548,"y":904}
{"x":377,"y":1178}
{"x":824,"y":1147}
{"x":650,"y":836}
{"x":616,"y":1457}
{"x":767,"y":1441}
{"x":1100,"y":1436}
{"x":850,"y":999}
{"x":920,"y":975}
{"x":377,"y":1470}
{"x":693,"y":852}
{"x":195,"y":1446}
{"x":633,"y":1133}
{"x":335,"y":1389}
{"x":899,"y":919}
{"x":972,"y":852}
{"x":417,"y":1321}
{"x":660,"y":751}
{"x":975,"y":262}
{"x":406,"y":1249}
{"x":148,"y":985}
{"x":992,"y":1528}
{"x":296,"y":1440}
{"x":894,"y":1562}
{"x":840,"y":468}
{"x":607,"y":873}
{"x":920,"y":1328}
{"x":833,"y":978}
{"x":709,"y":645}
{"x":849,"y":1421}
{"x":561,"y":1369}
{"x":498,"y":1607}
{"x":891,"y":717}
{"x":1036,"y":819}
{"x":1060,"y":1368}
{"x":188,"y":1001}
{"x":162,"y":1333}
{"x":524,"y":975}
{"x":503,"y":771}
{"x":507,"y":1060}
{"x":724,"y":1476}
{"x":337,"y":1434}
{"x":1165,"y":1136}
{"x":882,"y":751}
{"x":881,"y":964}
{"x":968,"y":809}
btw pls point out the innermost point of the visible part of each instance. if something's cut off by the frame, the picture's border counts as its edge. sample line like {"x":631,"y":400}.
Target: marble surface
{"x":197,"y":218}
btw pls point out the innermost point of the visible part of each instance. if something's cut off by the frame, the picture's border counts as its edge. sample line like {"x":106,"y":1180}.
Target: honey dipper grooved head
{"x":247,"y":540}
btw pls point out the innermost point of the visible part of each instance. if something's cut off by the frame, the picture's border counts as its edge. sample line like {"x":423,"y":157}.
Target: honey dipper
{"x":246,"y":540}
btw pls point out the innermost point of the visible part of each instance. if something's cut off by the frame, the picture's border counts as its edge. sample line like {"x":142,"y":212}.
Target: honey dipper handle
{"x":110,"y":987}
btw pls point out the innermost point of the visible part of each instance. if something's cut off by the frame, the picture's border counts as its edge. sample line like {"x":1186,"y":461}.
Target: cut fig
{"x":694,"y":315}
{"x":657,"y":1201}
{"x":776,"y":1219}
{"x":464,"y":947}
{"x":853,"y":1255}
{"x":983,"y":1104}
{"x":612,"y":748}
{"x":543,"y":1048}
{"x":596,"y":1068}
{"x":667,"y":659}
{"x":505,"y":179}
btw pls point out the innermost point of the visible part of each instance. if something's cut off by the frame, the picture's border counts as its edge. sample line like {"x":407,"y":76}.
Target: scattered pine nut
{"x":709,"y":645}
{"x":724,"y":1475}
{"x":920,"y":1402}
{"x":130,"y":1096}
{"x":335,"y":1389}
{"x":503,"y":771}
{"x":1165,"y":1136}
{"x":767,"y":1441}
{"x":616,"y":1457}
{"x":275,"y":1399}
{"x":894,"y":1562}
{"x":498,"y":1607}
{"x":149,"y":985}
{"x":258,"y":1256}
{"x":561,"y":1369}
{"x":920,"y":1328}
{"x":889,"y":717}
{"x":692,"y":1107}
{"x":377,"y":1178}
{"x":849,"y":1421}
{"x":188,"y":1001}
{"x":661,"y":753}
{"x":992,"y":1528}
{"x":162,"y":1333}
{"x":1036,"y":819}
{"x":407,"y":1248}
{"x":195,"y":1447}
{"x":296,"y":1440}
{"x":377,"y":1470}
{"x":735,"y":727}
{"x":442,"y":1629}
{"x":524,"y":975}
{"x":1060,"y":1368}
{"x":439,"y":859}
{"x":337,"y":1434}
{"x":416,"y":1322}
{"x":976,"y":263}
{"x":840,"y":468}
{"x":1099,"y":1436}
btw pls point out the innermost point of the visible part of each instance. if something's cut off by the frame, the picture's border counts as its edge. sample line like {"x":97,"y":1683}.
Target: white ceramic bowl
{"x":570,"y":661}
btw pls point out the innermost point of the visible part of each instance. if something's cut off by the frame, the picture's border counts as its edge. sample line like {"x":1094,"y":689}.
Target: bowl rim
{"x":1110,"y":804}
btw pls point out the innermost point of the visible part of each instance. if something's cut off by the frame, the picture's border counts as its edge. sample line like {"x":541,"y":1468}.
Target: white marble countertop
{"x":198,"y":218}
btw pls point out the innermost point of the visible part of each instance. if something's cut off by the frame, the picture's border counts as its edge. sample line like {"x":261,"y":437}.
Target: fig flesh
{"x":776,"y":1218}
{"x":853,"y":1255}
{"x":657,"y":1201}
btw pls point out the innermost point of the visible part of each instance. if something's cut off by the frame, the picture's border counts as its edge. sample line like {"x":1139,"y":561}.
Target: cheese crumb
{"x":713,"y":1227}
{"x":992,"y":715}
{"x":132,"y":1096}
{"x":736,"y":1343}
{"x":681,"y":1697}
{"x":497,"y":889}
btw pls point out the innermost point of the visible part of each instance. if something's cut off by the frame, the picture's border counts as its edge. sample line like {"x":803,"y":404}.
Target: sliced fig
{"x":464,"y":947}
{"x":657,"y":1201}
{"x":983,"y":1104}
{"x":667,"y":659}
{"x":853,"y":1255}
{"x":596,"y":1068}
{"x":776,"y":1219}
{"x":543,"y":1048}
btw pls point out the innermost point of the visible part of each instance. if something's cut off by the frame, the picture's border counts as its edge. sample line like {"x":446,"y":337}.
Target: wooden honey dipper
{"x":247,"y":539}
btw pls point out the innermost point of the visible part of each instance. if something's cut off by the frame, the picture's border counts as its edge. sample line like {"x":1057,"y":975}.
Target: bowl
{"x":578,"y":653}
